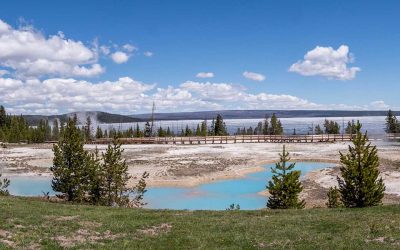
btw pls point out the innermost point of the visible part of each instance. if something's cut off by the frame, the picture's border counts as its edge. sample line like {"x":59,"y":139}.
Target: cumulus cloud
{"x":205,"y":75}
{"x":127,"y":96}
{"x":254,"y":76}
{"x":119,"y":57}
{"x":29,"y":53}
{"x":148,"y":53}
{"x":327,"y":62}
{"x":379,"y":105}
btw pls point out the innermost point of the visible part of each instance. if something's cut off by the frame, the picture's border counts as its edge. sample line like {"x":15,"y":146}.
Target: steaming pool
{"x":217,"y":195}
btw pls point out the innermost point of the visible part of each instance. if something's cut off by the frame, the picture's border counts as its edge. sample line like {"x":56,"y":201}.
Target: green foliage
{"x":266,"y":127}
{"x":275,"y":127}
{"x":233,"y":207}
{"x":318,"y":130}
{"x":351,"y":128}
{"x":15,"y":129}
{"x":99,"y":133}
{"x":4,"y":184}
{"x":69,"y":164}
{"x":88,"y":130}
{"x":334,"y":198}
{"x":331,"y":127}
{"x":285,"y":186}
{"x":116,"y":176}
{"x":392,"y":124}
{"x":139,"y":190}
{"x":219,"y":126}
{"x":360,"y":185}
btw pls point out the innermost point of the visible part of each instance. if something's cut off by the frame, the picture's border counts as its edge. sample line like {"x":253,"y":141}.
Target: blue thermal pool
{"x":217,"y":195}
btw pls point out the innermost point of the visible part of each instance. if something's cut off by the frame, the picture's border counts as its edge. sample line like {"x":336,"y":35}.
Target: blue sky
{"x":226,"y":38}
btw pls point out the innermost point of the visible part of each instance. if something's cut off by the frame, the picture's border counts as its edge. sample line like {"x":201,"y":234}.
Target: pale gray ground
{"x":188,"y":165}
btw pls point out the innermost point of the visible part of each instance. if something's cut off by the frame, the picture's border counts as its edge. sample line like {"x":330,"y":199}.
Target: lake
{"x":374,"y":124}
{"x":217,"y":195}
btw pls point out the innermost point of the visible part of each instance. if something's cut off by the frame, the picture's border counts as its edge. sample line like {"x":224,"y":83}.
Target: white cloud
{"x":205,"y":75}
{"x":119,"y":57}
{"x":31,"y":54}
{"x":129,"y":48}
{"x":328,"y":62}
{"x":148,"y":53}
{"x":127,"y":96}
{"x":254,"y":76}
{"x":379,"y":105}
{"x":105,"y":50}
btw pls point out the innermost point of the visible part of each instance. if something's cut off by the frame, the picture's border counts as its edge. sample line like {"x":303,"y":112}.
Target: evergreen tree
{"x":219,"y":126}
{"x":318,"y":130}
{"x":334,"y":199}
{"x":95,"y":179}
{"x":275,"y":127}
{"x":116,"y":176}
{"x":55,"y":130}
{"x":69,"y":164}
{"x":351,"y":128}
{"x":168,"y":134}
{"x":161,"y":132}
{"x":139,"y":190}
{"x":147,"y":130}
{"x":4,"y":183}
{"x":392,"y":124}
{"x":360,"y":185}
{"x":88,"y":129}
{"x":266,"y":126}
{"x":331,"y":127}
{"x":137,"y":131}
{"x":198,"y":131}
{"x":204,"y":128}
{"x":285,"y":186}
{"x":3,"y":116}
{"x":99,"y":133}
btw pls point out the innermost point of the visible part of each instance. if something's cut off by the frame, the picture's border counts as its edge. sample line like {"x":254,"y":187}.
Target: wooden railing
{"x":231,"y":139}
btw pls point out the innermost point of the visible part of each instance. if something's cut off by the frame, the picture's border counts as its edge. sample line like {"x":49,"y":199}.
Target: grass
{"x":33,"y":223}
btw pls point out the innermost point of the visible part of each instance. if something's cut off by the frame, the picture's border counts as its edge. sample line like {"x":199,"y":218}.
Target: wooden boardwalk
{"x":231,"y":139}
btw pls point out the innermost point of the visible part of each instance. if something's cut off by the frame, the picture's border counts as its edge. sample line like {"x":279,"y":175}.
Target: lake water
{"x":374,"y":124}
{"x":217,"y":195}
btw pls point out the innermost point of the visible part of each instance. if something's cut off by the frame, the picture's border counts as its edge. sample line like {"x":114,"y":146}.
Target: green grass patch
{"x":32,"y":223}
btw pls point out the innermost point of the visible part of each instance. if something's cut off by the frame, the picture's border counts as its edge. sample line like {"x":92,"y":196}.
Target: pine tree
{"x":88,"y":129}
{"x":139,"y":190}
{"x":55,"y":130}
{"x":69,"y":164}
{"x":116,"y":176}
{"x":204,"y":128}
{"x":4,"y":184}
{"x":351,"y":127}
{"x":275,"y":126}
{"x":392,"y":124}
{"x":198,"y":131}
{"x":360,"y":184}
{"x":219,"y":126}
{"x":137,"y":131}
{"x":285,"y":186}
{"x":95,"y":179}
{"x":265,"y":126}
{"x":334,"y":198}
{"x":318,"y":130}
{"x":147,"y":130}
{"x":99,"y":133}
{"x":331,"y":127}
{"x":3,"y":116}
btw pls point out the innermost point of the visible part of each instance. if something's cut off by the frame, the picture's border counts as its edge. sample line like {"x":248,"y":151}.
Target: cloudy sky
{"x":120,"y":56}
